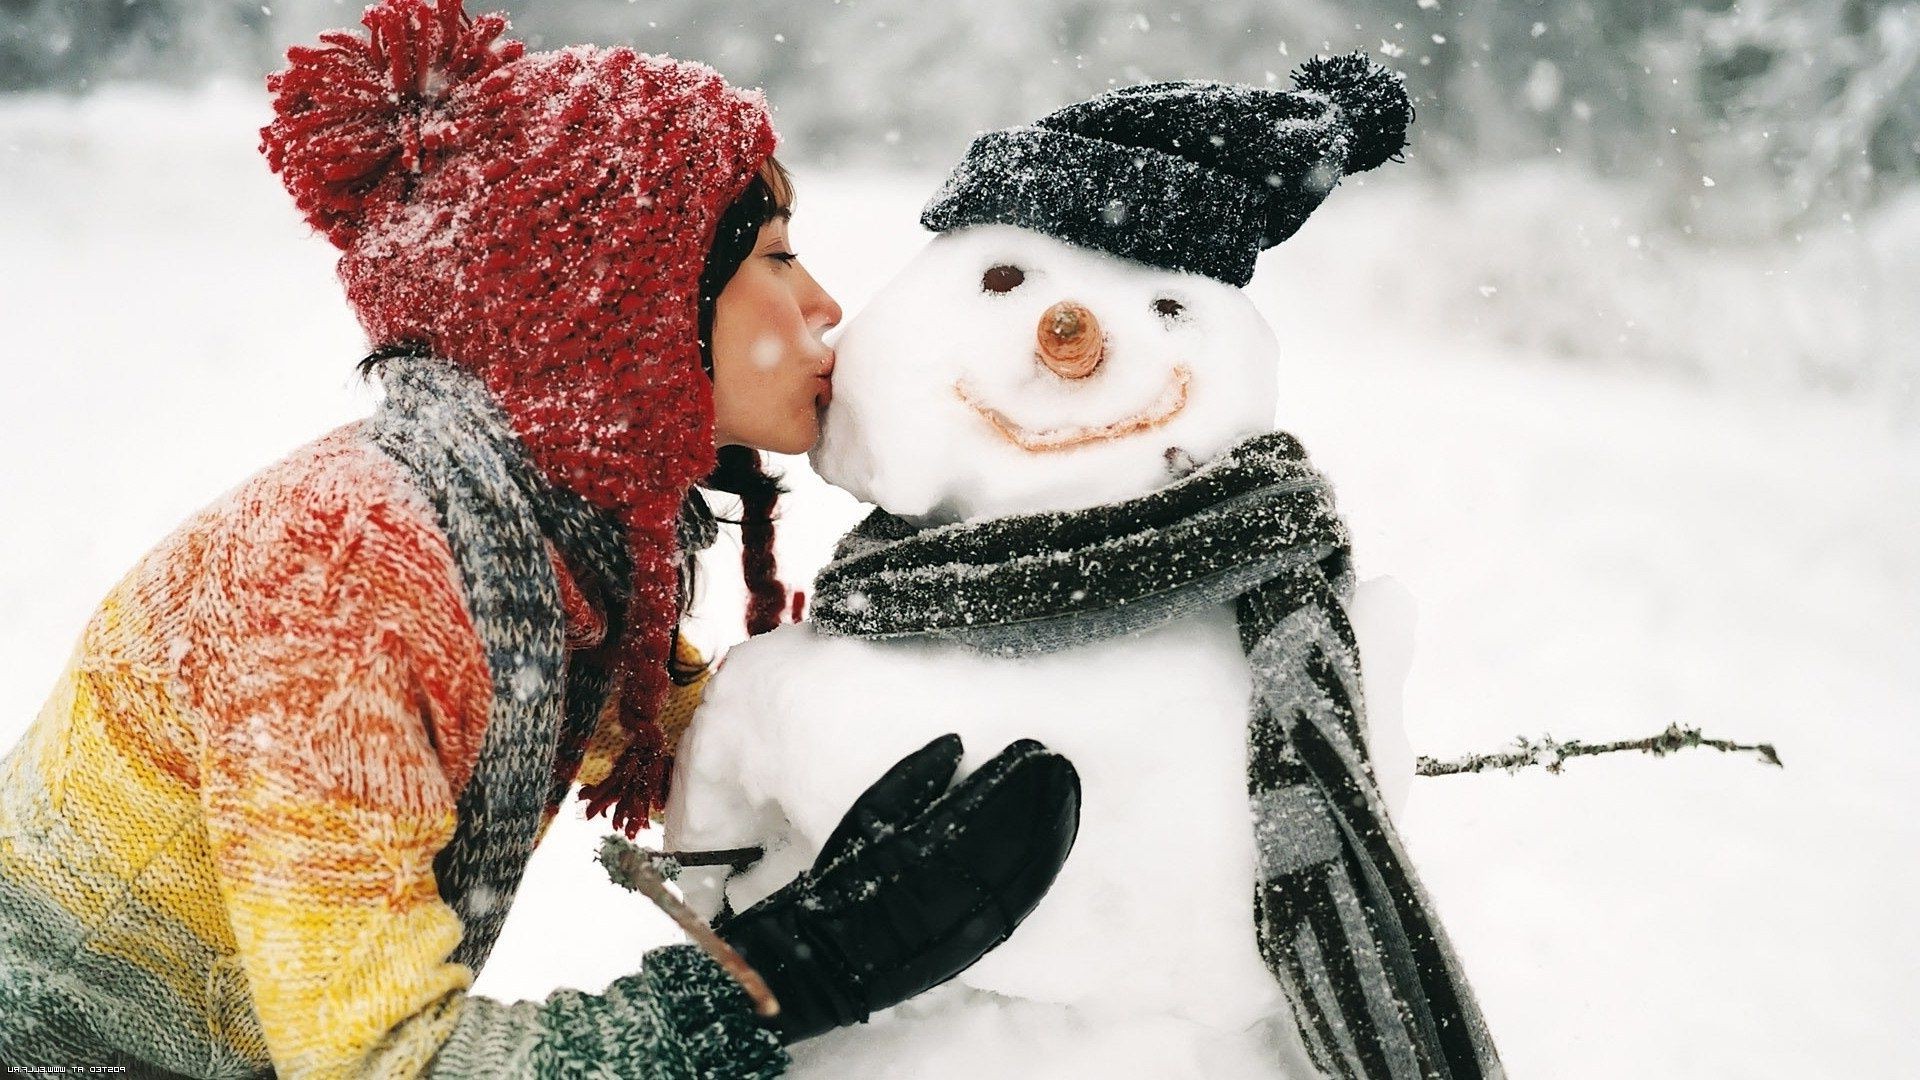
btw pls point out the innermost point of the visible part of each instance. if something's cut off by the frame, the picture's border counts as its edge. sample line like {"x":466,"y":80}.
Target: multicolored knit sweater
{"x":273,"y":813}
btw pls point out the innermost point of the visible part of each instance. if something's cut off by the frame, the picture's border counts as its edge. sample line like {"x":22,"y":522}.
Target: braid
{"x":740,"y":473}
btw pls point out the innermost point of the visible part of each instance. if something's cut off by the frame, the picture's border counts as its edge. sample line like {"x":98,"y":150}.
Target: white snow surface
{"x":1596,"y":551}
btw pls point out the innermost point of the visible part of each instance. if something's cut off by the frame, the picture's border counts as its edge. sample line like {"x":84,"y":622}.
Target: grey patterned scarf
{"x":499,"y":515}
{"x":1341,"y":920}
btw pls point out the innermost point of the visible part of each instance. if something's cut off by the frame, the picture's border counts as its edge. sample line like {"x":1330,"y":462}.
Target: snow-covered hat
{"x":540,"y":219}
{"x":1189,"y":176}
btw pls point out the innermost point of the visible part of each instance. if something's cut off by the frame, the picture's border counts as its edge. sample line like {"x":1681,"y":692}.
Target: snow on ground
{"x":1595,"y":552}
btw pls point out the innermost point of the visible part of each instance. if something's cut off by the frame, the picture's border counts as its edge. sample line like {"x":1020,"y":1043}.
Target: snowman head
{"x":1005,"y":371}
{"x":1076,"y":335}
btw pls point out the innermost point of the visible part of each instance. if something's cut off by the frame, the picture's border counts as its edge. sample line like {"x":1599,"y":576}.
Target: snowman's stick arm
{"x":1552,"y":754}
{"x":637,"y":870}
{"x":736,"y":857}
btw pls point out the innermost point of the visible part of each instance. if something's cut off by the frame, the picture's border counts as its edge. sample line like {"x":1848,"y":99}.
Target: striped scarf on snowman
{"x":1340,"y":917}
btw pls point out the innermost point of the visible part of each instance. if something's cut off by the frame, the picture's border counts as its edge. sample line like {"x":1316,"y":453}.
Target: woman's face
{"x":771,"y":372}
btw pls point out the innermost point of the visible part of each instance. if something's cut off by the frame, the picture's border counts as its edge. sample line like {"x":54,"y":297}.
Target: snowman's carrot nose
{"x":1071,"y":344}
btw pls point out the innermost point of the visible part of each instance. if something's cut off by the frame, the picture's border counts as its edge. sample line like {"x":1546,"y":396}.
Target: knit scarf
{"x":499,"y":517}
{"x":1340,"y":918}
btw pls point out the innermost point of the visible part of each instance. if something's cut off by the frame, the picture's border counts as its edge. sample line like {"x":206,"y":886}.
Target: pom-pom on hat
{"x":1190,"y":176}
{"x":540,"y":219}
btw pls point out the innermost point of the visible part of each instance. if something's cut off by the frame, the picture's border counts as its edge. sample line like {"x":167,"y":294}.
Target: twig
{"x":736,"y":857}
{"x":637,"y":870}
{"x":1552,"y":754}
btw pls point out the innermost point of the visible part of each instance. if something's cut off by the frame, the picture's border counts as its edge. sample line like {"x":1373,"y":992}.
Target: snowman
{"x":1088,"y":532}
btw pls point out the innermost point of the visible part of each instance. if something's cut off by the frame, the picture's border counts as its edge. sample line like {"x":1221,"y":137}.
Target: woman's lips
{"x":825,"y":395}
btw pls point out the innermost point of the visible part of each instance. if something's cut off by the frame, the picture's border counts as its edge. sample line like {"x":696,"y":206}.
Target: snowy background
{"x":1631,"y":411}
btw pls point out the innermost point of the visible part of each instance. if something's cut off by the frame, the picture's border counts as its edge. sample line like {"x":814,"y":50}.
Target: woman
{"x":273,"y":815}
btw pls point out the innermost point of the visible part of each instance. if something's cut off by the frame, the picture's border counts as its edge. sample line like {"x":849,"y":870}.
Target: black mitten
{"x":915,"y":884}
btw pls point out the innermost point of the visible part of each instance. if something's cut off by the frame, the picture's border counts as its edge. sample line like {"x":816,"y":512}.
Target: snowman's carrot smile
{"x":1171,"y":400}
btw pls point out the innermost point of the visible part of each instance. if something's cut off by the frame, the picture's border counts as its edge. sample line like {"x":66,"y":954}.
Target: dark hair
{"x":370,"y":363}
{"x":739,"y":470}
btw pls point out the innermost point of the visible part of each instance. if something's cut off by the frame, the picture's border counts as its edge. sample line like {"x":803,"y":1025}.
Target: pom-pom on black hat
{"x":1190,"y":176}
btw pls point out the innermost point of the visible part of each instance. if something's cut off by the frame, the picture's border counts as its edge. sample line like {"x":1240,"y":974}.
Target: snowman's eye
{"x":1169,"y":308}
{"x":1002,"y":278}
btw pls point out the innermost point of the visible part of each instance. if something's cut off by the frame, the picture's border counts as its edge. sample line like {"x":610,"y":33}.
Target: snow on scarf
{"x":1340,"y":918}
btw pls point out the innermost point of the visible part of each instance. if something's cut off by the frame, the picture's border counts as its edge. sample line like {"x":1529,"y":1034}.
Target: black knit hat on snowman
{"x":1190,"y":176}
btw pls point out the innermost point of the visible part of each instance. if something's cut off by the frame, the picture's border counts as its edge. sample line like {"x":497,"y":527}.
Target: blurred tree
{"x":1795,"y":108}
{"x":74,"y":45}
{"x":1810,"y":107}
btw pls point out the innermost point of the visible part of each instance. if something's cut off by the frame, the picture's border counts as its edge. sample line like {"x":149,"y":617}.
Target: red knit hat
{"x":541,"y":220}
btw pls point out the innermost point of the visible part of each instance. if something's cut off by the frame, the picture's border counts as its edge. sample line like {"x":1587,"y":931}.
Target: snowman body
{"x":1163,"y":864}
{"x":1141,"y":960}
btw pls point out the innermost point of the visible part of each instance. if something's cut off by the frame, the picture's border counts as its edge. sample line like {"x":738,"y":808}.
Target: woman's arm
{"x":343,"y":673}
{"x":679,"y":1016}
